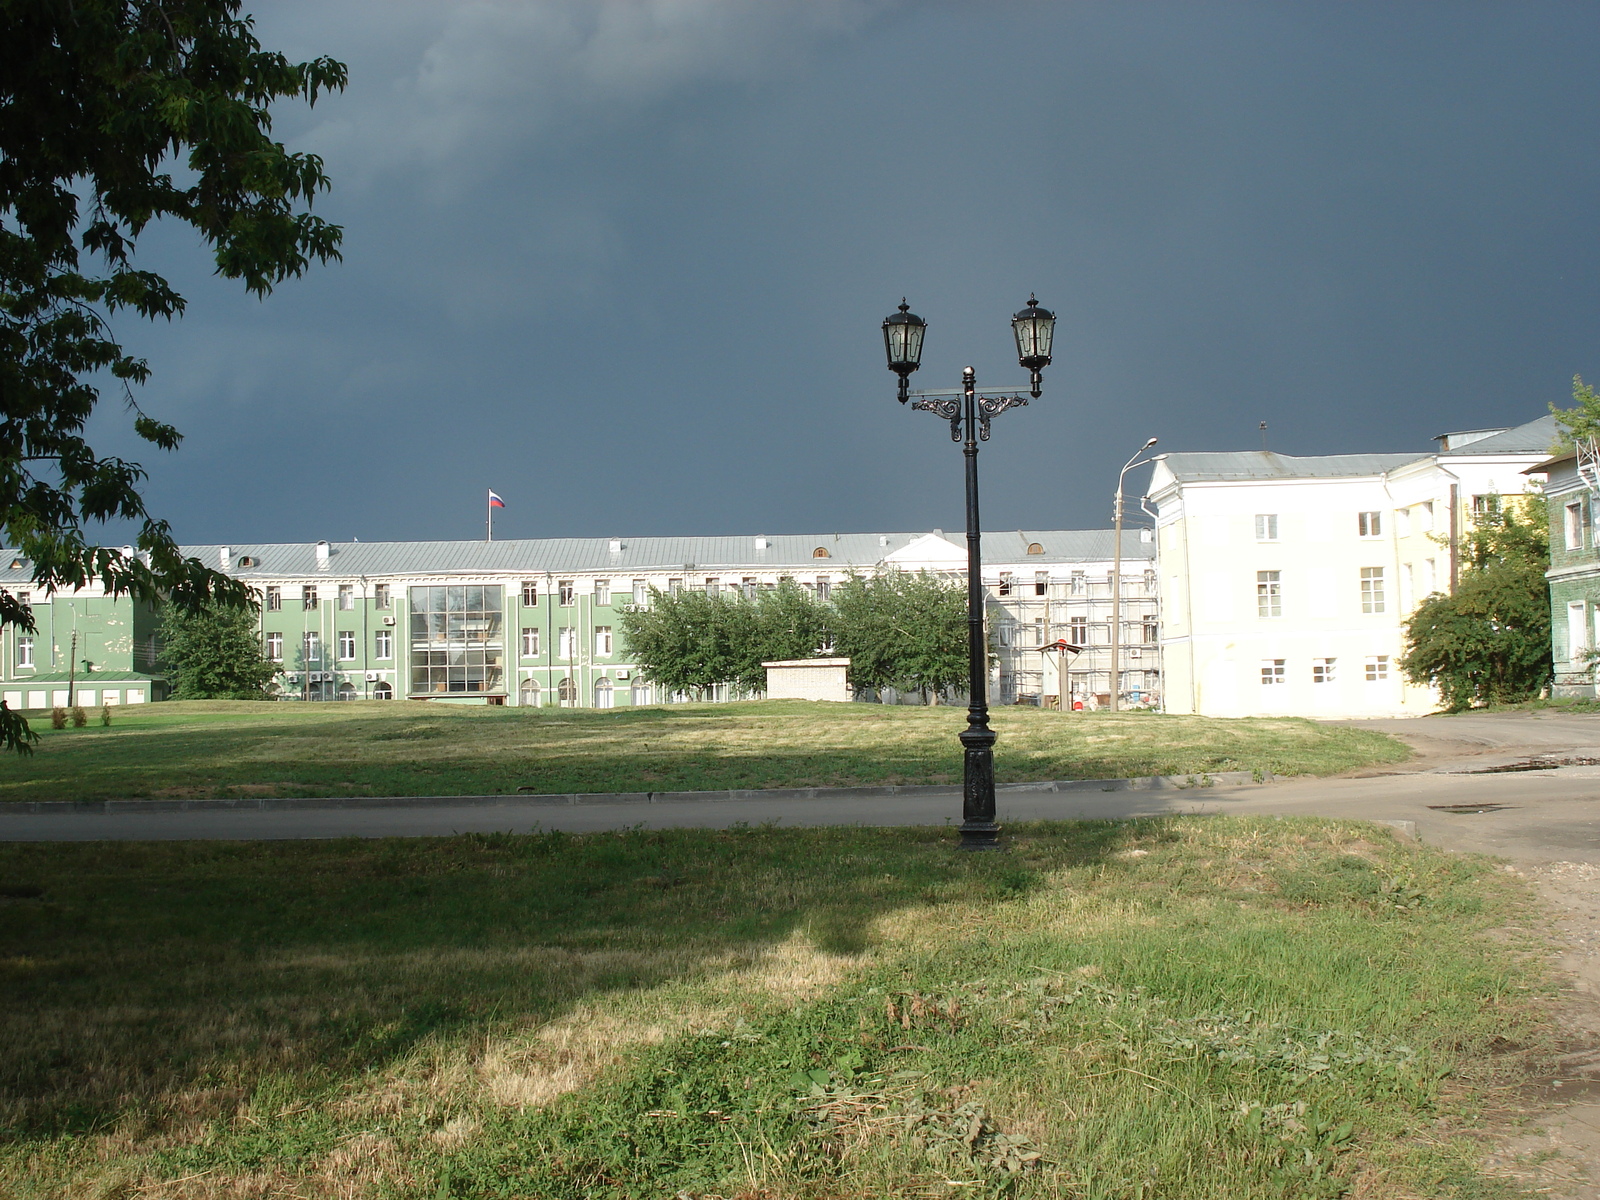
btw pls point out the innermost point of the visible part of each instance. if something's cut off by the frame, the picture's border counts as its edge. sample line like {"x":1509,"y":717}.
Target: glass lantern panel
{"x":1044,"y":329}
{"x":914,"y":342}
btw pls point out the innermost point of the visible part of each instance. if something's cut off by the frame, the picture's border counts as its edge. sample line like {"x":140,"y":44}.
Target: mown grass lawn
{"x":1192,"y":1007}
{"x":209,"y":749}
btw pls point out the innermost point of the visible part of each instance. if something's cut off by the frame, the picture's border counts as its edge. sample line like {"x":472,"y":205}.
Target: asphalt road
{"x":1447,"y":793}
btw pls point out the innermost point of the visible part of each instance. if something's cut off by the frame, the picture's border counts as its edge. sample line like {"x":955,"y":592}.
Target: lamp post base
{"x":978,"y":828}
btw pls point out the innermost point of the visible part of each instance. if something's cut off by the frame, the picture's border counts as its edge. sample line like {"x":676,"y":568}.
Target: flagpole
{"x":488,"y":506}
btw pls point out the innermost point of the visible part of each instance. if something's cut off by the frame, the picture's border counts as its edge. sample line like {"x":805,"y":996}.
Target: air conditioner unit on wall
{"x":372,"y":676}
{"x":388,"y":620}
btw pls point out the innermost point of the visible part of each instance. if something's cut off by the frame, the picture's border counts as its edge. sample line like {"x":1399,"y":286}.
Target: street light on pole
{"x":969,"y":415}
{"x":1116,"y":580}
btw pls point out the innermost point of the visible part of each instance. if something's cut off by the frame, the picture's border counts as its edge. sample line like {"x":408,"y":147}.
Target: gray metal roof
{"x":707,"y":555}
{"x":1536,"y":437}
{"x":1264,"y":464}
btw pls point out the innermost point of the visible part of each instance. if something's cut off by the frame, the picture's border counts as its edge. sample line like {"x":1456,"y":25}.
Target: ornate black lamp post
{"x":969,"y":415}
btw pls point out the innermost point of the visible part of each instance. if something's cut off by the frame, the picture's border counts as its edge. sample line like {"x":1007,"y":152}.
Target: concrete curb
{"x":1145,"y":783}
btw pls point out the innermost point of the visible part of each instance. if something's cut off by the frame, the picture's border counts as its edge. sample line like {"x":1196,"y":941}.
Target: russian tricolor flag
{"x":495,"y":501}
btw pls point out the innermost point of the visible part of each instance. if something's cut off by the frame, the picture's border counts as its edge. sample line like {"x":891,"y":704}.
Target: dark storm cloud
{"x":624,"y":262}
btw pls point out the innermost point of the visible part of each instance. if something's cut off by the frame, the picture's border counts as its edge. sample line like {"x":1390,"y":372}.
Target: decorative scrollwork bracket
{"x":950,"y":410}
{"x":993,"y":406}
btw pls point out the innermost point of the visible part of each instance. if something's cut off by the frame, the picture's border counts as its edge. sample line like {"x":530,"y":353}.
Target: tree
{"x":1582,"y":420}
{"x":214,"y":653}
{"x":690,"y":642}
{"x":1489,"y":641}
{"x":902,"y":630}
{"x":102,"y":104}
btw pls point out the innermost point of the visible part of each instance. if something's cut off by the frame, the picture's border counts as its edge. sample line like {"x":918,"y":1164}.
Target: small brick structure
{"x":808,"y":679}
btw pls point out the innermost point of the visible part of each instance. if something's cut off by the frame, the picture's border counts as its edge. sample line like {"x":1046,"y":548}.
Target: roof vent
{"x":883,"y":539}
{"x":323,"y":551}
{"x":127,"y":552}
{"x":762,"y":543}
{"x":615,"y":546}
{"x":1147,"y":536}
{"x":16,"y":564}
{"x":224,"y":554}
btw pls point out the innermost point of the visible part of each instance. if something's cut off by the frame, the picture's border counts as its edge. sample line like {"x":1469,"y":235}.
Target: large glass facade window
{"x":457,"y":640}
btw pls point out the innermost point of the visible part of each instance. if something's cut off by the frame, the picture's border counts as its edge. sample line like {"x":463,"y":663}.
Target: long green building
{"x":536,"y":622}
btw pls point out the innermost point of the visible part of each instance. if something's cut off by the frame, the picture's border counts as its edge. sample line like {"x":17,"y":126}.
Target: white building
{"x":1287,"y":581}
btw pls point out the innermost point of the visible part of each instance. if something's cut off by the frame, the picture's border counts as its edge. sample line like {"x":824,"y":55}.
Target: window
{"x":1035,"y":548}
{"x":1402,"y":522}
{"x":347,"y":597}
{"x":1078,"y":583}
{"x":1485,"y":506}
{"x":747,"y":585}
{"x":567,"y":693}
{"x":713,"y":587}
{"x":383,"y":644}
{"x":602,"y":591}
{"x":24,"y":652}
{"x":274,"y":599}
{"x":1573,"y":524}
{"x":674,"y":586}
{"x":530,"y":642}
{"x":1078,"y":631}
{"x":347,"y":644}
{"x":1005,"y":583}
{"x":1272,"y":672}
{"x":1372,"y":589}
{"x":824,"y":587}
{"x":1149,"y":583}
{"x":604,"y":693}
{"x":1004,"y":631}
{"x":1269,"y":596}
{"x":1426,"y":516}
{"x":457,"y":639}
{"x":380,"y":595}
{"x":821,"y":552}
{"x":1266,"y":527}
{"x":567,"y":642}
{"x":1369,"y":524}
{"x":1377,"y":668}
{"x":312,"y":647}
{"x":1432,"y":574}
{"x":1152,"y":629}
{"x":641,"y":593}
{"x":308,"y":597}
{"x":530,"y":593}
{"x":532,"y":696}
{"x":383,"y":691}
{"x":274,"y":647}
{"x":564,"y":587}
{"x":1322,"y":670}
{"x":1041,"y":583}
{"x":602,"y":639}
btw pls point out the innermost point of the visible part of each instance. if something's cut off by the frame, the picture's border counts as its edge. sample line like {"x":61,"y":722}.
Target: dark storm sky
{"x":625,"y":262}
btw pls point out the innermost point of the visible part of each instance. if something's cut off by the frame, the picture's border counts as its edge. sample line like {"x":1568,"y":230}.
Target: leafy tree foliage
{"x":691,"y":642}
{"x":1489,"y":642}
{"x":902,"y":630}
{"x":1582,"y":420}
{"x":114,"y":114}
{"x":214,"y":653}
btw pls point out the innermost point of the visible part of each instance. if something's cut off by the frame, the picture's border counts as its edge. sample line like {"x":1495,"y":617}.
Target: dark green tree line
{"x":214,"y":653}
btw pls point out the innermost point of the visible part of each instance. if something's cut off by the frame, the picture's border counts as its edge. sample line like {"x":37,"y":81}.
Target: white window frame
{"x":1572,"y":525}
{"x":311,"y":646}
{"x":530,"y":641}
{"x":602,"y":641}
{"x":274,"y":647}
{"x":347,"y":597}
{"x":567,"y":642}
{"x":25,"y":651}
{"x":1274,"y":672}
{"x":1369,"y":524}
{"x":1269,"y":595}
{"x":347,"y":645}
{"x":380,"y":596}
{"x":602,"y":591}
{"x":383,"y":644}
{"x":641,"y":593}
{"x":1324,"y":670}
{"x":567,"y":590}
{"x":1373,"y":600}
{"x":1266,"y":527}
{"x":530,"y":593}
{"x":1376,"y":668}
